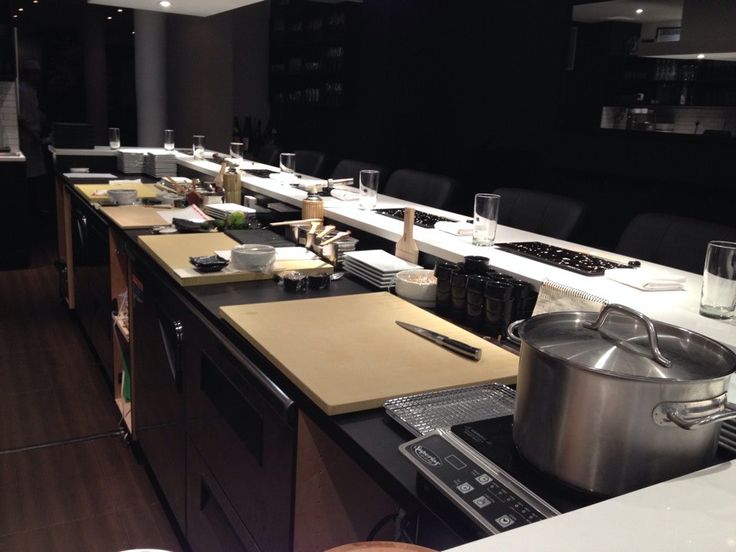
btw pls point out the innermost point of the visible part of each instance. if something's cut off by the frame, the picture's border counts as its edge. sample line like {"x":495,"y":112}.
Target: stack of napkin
{"x":647,"y":279}
{"x":459,"y":228}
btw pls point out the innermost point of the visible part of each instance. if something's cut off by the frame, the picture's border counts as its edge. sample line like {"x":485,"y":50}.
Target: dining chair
{"x":269,"y":155}
{"x":430,"y":189}
{"x":350,"y":168}
{"x":540,"y":212}
{"x":671,"y":240}
{"x":311,"y":162}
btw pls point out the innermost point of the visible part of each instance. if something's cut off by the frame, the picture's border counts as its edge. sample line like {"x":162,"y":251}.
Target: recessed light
{"x":109,"y":17}
{"x":639,"y":11}
{"x":120,"y":10}
{"x":701,"y":56}
{"x":15,"y":16}
{"x":164,"y":3}
{"x":20,"y":9}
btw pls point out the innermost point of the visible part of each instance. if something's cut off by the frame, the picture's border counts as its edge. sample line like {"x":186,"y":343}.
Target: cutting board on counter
{"x":93,"y":192}
{"x":348,"y":354}
{"x":128,"y":217}
{"x":172,"y":252}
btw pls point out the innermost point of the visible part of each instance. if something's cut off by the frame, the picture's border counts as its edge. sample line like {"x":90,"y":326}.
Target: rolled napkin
{"x":647,"y":279}
{"x":459,"y":228}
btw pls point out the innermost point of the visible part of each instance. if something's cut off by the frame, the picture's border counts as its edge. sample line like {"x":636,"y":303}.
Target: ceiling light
{"x":20,"y":9}
{"x":164,"y":3}
{"x":701,"y":56}
{"x":15,"y":16}
{"x":109,"y":17}
{"x":639,"y":11}
{"x":120,"y":10}
{"x":35,"y":1}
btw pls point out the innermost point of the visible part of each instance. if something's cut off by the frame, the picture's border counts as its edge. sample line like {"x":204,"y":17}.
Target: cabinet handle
{"x":229,"y":530}
{"x":173,"y":350}
{"x":81,"y":222}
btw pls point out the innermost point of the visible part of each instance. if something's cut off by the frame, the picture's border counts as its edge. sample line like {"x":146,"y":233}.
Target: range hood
{"x":706,"y":29}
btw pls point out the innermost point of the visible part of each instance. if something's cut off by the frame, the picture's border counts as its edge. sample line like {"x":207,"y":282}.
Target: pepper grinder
{"x":231,"y":183}
{"x":313,"y":207}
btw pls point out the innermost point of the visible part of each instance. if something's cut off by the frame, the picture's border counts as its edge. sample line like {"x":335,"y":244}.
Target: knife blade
{"x":443,"y":341}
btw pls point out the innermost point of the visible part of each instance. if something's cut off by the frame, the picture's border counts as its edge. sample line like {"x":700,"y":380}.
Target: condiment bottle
{"x":231,"y":183}
{"x":313,"y":207}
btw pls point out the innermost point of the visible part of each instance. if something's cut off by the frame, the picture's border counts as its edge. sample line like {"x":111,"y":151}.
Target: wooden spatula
{"x":406,"y":247}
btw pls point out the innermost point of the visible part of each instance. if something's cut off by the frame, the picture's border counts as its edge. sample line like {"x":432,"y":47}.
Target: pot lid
{"x":623,"y":342}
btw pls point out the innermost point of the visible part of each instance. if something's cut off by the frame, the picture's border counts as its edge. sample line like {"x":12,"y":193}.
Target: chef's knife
{"x":443,"y":341}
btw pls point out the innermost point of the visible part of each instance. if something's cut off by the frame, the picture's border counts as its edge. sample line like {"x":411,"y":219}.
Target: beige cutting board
{"x":93,"y":191}
{"x":134,"y":216}
{"x":172,"y":252}
{"x":348,"y":354}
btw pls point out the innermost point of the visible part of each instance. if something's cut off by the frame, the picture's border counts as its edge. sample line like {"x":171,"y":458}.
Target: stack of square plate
{"x":375,"y":266}
{"x":222,"y":210}
{"x":157,"y":164}
{"x":130,"y":162}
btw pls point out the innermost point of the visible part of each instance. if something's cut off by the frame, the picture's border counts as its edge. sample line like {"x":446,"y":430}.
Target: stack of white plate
{"x":222,"y":210}
{"x":130,"y":162}
{"x":375,"y":266}
{"x":158,"y":164}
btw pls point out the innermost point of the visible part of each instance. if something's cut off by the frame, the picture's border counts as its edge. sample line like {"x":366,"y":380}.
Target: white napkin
{"x":647,"y":279}
{"x":345,"y":195}
{"x":459,"y":228}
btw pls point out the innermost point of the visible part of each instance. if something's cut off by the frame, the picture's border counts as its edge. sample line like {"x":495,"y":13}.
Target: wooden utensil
{"x":406,"y":247}
{"x":310,"y":234}
{"x":322,"y":233}
{"x":290,"y":222}
{"x":336,"y":237}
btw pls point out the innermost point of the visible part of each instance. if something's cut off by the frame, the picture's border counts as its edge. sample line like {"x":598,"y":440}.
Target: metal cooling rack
{"x":424,"y":412}
{"x":727,"y":438}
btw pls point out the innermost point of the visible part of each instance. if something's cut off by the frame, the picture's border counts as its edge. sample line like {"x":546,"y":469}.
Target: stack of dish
{"x":130,"y":162}
{"x":222,"y":210}
{"x":375,"y":266}
{"x":158,"y":164}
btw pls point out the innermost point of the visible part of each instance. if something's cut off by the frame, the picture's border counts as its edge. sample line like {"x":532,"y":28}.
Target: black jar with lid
{"x":443,"y":271}
{"x":499,"y":304}
{"x":458,"y":283}
{"x":475,"y":300}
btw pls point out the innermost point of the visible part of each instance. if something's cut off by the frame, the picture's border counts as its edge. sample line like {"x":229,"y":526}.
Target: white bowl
{"x":123,"y":196}
{"x":417,"y":285}
{"x":253,"y":257}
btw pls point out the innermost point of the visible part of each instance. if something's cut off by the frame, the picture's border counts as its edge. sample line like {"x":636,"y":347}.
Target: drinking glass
{"x":198,"y":146}
{"x":169,"y":140}
{"x":287,"y":164}
{"x":485,"y":219}
{"x":114,"y":135}
{"x":718,"y":294}
{"x":368,"y":190}
{"x":236,"y":150}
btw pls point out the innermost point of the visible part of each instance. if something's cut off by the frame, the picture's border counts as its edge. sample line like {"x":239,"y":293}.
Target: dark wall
{"x":447,"y":86}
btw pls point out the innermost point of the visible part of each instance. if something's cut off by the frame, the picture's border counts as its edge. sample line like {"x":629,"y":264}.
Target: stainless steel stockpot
{"x":614,"y":402}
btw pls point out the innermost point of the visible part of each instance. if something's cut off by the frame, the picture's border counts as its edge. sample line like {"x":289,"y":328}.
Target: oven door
{"x":244,"y":428}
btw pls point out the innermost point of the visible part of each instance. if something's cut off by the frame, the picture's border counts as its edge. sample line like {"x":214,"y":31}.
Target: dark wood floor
{"x":72,"y":494}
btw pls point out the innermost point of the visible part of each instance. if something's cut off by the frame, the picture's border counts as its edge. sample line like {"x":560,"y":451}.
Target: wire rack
{"x":424,"y":412}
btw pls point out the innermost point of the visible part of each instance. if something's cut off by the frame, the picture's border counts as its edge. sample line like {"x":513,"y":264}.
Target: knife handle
{"x":461,"y":348}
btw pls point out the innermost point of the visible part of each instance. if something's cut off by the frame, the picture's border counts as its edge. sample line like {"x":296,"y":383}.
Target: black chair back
{"x":540,"y":212}
{"x":350,"y":168}
{"x":269,"y":155}
{"x":311,"y":162}
{"x":671,"y":240}
{"x":434,"y":190}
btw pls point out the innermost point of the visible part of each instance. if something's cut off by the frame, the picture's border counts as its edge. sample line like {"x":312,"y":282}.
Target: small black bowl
{"x":208,"y":263}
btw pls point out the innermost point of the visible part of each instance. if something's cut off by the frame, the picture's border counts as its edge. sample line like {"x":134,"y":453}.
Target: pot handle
{"x":676,"y":417}
{"x":651,"y":331}
{"x":511,"y":333}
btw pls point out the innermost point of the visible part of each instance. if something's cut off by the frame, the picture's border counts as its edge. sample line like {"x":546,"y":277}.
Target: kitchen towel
{"x":647,"y":279}
{"x":458,"y":228}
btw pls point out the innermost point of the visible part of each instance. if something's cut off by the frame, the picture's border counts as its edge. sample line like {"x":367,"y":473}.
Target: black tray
{"x":574,"y":261}
{"x":259,"y":236}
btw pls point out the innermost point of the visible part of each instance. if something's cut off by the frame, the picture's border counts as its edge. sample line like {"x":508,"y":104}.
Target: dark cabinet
{"x":162,"y":326}
{"x":91,"y":252}
{"x":15,"y":247}
{"x":7,"y":53}
{"x":243,"y":427}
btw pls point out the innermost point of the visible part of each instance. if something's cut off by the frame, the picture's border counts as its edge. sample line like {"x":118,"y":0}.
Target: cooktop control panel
{"x":491,"y":497}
